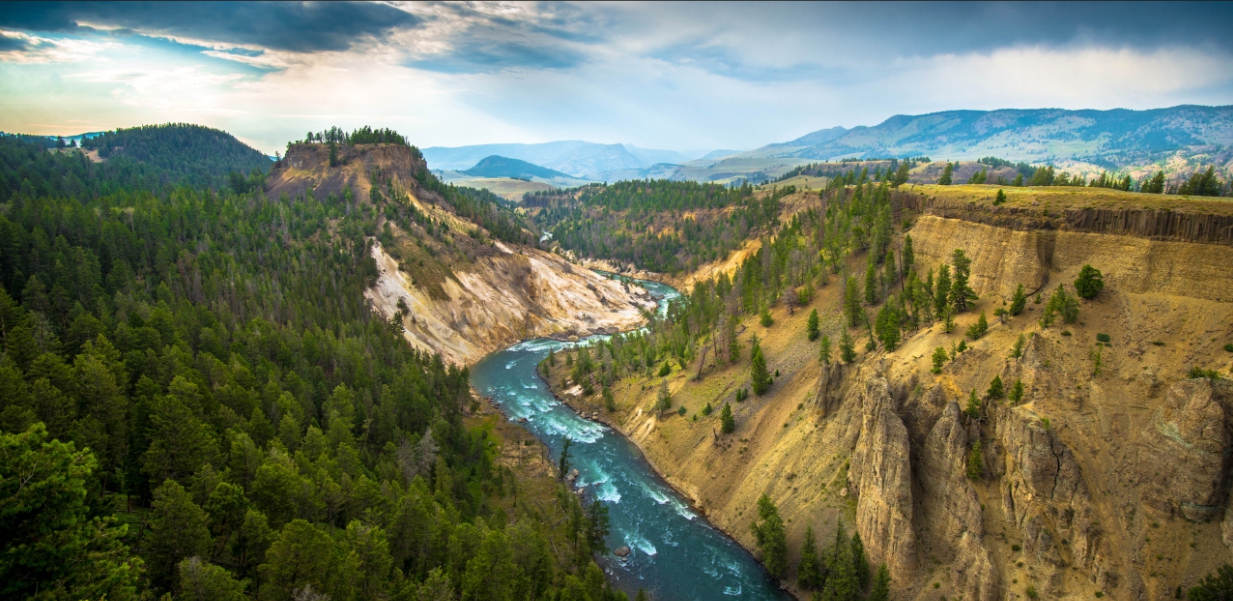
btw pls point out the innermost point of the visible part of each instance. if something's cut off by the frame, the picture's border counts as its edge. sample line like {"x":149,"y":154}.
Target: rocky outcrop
{"x":1044,"y":493}
{"x":881,"y":474}
{"x":952,"y":513}
{"x":1184,"y":459}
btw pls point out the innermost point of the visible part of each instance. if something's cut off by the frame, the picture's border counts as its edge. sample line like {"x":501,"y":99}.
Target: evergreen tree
{"x":881,"y":581}
{"x":664,"y":401}
{"x":726,"y":420}
{"x":811,"y":326}
{"x":978,"y":329}
{"x":1016,"y":391}
{"x":734,"y":345}
{"x":764,"y":318}
{"x":1018,"y":181}
{"x":860,"y":563}
{"x":1089,"y":283}
{"x":563,"y":462}
{"x":1216,"y":586}
{"x":809,"y":571}
{"x":871,"y":283}
{"x":941,"y":297}
{"x":1155,"y":184}
{"x":909,"y":255}
{"x":886,"y":325}
{"x":760,"y":378}
{"x":976,"y":466}
{"x":770,"y":536}
{"x":1018,"y":301}
{"x":973,"y":407}
{"x":847,"y":353}
{"x":939,"y":359}
{"x":995,"y":389}
{"x":841,"y":584}
{"x":948,"y":173}
{"x":1000,"y":199}
{"x":824,"y":351}
{"x":960,"y":291}
{"x":178,"y":531}
{"x":203,"y":581}
{"x":852,"y":304}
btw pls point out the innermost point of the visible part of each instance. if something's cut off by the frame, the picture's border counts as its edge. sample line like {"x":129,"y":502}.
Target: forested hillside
{"x":182,"y":153}
{"x":196,"y":399}
{"x":664,"y":226}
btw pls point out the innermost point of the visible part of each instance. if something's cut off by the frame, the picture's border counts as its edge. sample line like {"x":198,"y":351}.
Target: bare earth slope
{"x":1112,"y":480}
{"x":465,"y":294}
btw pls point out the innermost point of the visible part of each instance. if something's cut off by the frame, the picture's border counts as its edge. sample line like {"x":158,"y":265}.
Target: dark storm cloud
{"x":292,"y":26}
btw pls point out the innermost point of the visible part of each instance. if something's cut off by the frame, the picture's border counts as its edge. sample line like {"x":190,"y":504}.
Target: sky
{"x":685,"y":77}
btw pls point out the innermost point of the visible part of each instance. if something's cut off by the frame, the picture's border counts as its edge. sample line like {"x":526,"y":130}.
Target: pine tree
{"x":734,"y":345}
{"x":1018,"y":181}
{"x":1016,"y":391}
{"x":948,"y":173}
{"x":978,"y":329}
{"x":1000,"y":199}
{"x":909,"y":255}
{"x":726,"y":420}
{"x":852,"y":304}
{"x":847,"y":353}
{"x":811,"y":326}
{"x":939,"y":359}
{"x":1089,"y":283}
{"x":976,"y":466}
{"x":960,"y":291}
{"x":770,"y":536}
{"x":871,"y":283}
{"x":973,"y":408}
{"x":941,"y":298}
{"x":809,"y":571}
{"x":824,"y":351}
{"x":995,"y":388}
{"x":1018,"y":301}
{"x":860,"y":563}
{"x":764,"y":318}
{"x":881,"y":582}
{"x":841,"y":582}
{"x":760,"y":378}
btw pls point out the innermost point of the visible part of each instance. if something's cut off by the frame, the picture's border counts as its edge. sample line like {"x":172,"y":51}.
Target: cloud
{"x":21,"y":48}
{"x":288,"y":26}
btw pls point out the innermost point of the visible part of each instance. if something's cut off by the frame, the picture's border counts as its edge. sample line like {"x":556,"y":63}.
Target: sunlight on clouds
{"x":46,"y":50}
{"x":187,"y":89}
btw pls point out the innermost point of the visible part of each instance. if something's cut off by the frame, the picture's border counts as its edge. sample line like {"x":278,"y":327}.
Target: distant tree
{"x":1018,"y":301}
{"x":1060,"y":302}
{"x":901,"y":175}
{"x":909,"y":255}
{"x":178,"y":531}
{"x":1016,"y":391}
{"x":851,"y":303}
{"x":1018,"y":181}
{"x":203,"y":581}
{"x":995,"y":389}
{"x":1089,"y":283}
{"x":759,"y":376}
{"x":563,"y":462}
{"x":881,"y":581}
{"x":1154,"y":185}
{"x":811,"y":326}
{"x":841,"y":581}
{"x":939,"y":359}
{"x":1016,"y":351}
{"x":948,"y":173}
{"x":770,"y":537}
{"x":764,"y":318}
{"x":809,"y":570}
{"x":597,"y":526}
{"x":941,"y":297}
{"x":824,"y":351}
{"x":1000,"y":199}
{"x":847,"y":352}
{"x":871,"y":283}
{"x":978,"y":329}
{"x":860,"y":562}
{"x":976,"y":465}
{"x":1216,"y":586}
{"x":1202,"y":183}
{"x":960,"y":291}
{"x":726,"y":420}
{"x":973,"y":407}
{"x":664,"y":401}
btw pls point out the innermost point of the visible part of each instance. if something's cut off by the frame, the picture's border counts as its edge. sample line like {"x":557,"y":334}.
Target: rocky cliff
{"x":453,"y":289}
{"x":1110,"y":475}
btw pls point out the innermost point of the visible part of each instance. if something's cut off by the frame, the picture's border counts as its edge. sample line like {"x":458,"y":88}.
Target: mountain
{"x":1109,"y":139}
{"x":586,"y":160}
{"x":499,"y":166}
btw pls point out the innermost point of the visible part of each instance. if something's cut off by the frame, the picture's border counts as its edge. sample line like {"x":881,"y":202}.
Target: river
{"x":675,"y":552}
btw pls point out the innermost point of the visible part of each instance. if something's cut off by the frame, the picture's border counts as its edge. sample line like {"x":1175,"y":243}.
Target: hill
{"x":1068,"y":448}
{"x":1112,"y":139}
{"x":586,"y":160}
{"x":499,"y":166}
{"x":191,"y":154}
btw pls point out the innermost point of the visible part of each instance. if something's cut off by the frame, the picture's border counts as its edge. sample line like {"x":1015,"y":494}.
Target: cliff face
{"x":1109,"y":477}
{"x":461,"y":296}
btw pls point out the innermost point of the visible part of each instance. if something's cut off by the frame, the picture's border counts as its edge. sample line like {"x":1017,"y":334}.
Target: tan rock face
{"x":881,"y":473}
{"x":1183,"y":460}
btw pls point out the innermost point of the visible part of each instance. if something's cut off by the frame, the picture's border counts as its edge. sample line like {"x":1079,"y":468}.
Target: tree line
{"x":196,"y":399}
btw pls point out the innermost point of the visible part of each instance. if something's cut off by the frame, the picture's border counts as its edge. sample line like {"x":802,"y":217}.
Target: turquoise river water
{"x":676,"y":553}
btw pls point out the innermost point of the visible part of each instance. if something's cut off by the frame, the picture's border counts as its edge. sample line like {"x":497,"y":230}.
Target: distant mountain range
{"x":584,"y":160}
{"x":1178,"y":138}
{"x":1110,"y":139}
